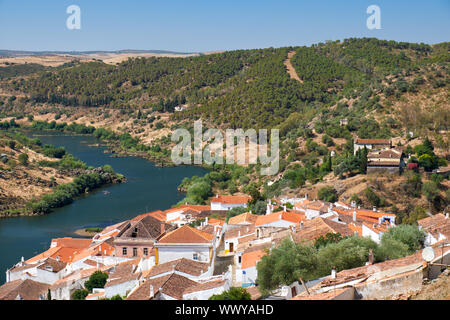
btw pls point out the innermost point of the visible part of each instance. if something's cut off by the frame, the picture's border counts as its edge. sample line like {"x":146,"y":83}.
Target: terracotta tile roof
{"x":377,"y":228}
{"x":63,"y":254}
{"x":247,"y":238}
{"x":93,"y":263}
{"x":71,"y":242}
{"x":436,"y":225}
{"x":123,"y":272}
{"x":240,"y":231}
{"x":254,"y":292}
{"x":158,"y":214}
{"x":194,"y":268}
{"x":209,"y":228}
{"x":373,"y":141}
{"x":302,"y":203}
{"x":205,"y":286}
{"x":186,"y":234}
{"x":367,"y":215}
{"x":146,"y":227}
{"x":355,"y":228}
{"x":314,"y":228}
{"x":214,"y":221}
{"x":278,"y":216}
{"x":197,"y":208}
{"x":24,"y":267}
{"x":100,"y":249}
{"x":365,"y":271}
{"x":143,"y":291}
{"x":388,"y":154}
{"x":433,"y":221}
{"x":27,"y":289}
{"x":172,"y":285}
{"x":318,"y":205}
{"x":53,"y":265}
{"x":224,"y":199}
{"x":250,"y":259}
{"x":246,"y":217}
{"x":117,"y":226}
{"x":329,"y":295}
{"x":95,"y":295}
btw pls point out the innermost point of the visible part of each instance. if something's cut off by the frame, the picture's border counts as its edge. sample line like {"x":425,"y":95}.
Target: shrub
{"x":328,"y":194}
{"x":23,"y":159}
{"x":96,"y":280}
{"x":233,"y":293}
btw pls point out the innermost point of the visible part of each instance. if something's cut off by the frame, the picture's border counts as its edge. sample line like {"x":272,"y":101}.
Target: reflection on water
{"x":147,"y":188}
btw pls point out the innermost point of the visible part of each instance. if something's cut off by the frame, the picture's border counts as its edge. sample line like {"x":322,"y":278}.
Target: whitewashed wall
{"x":169,"y":254}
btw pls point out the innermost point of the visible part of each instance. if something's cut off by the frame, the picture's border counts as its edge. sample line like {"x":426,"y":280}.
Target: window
{"x":195,"y":256}
{"x":124,"y":251}
{"x":240,"y":259}
{"x":145,"y":251}
{"x":135,"y":252}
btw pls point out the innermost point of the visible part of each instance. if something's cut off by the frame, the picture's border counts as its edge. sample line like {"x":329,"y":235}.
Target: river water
{"x":147,"y":188}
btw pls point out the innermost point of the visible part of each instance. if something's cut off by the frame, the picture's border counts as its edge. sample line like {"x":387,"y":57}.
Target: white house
{"x":437,"y":228}
{"x":232,"y":236}
{"x":185,"y":242}
{"x":222,"y":202}
{"x":246,"y":272}
{"x":45,"y":271}
{"x":203,"y":291}
{"x":123,"y":278}
{"x":374,"y":231}
{"x":280,"y":219}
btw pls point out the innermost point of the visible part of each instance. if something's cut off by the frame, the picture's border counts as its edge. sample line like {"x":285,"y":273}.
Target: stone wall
{"x":407,"y":282}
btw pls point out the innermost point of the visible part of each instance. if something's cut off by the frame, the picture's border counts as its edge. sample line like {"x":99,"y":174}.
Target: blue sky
{"x":198,"y":25}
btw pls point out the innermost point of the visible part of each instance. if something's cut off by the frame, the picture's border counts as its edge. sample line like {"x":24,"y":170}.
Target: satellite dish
{"x":428,"y":254}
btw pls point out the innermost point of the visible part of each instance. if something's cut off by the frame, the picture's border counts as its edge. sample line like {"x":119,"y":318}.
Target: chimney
{"x":306,"y":196}
{"x":354,"y":215}
{"x":57,"y":258}
{"x":163,"y":228}
{"x":284,"y":207}
{"x":217,"y":195}
{"x":333,"y":273}
{"x":301,"y":224}
{"x":206,"y":221}
{"x":374,"y":209}
{"x":446,"y":215}
{"x":371,"y":258}
{"x":239,"y":233}
{"x":152,"y":293}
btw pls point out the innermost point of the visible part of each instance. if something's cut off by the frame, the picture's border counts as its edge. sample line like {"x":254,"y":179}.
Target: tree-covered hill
{"x":242,"y":88}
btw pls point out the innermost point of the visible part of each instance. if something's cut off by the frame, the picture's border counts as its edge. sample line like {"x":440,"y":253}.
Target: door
{"x":231,"y":246}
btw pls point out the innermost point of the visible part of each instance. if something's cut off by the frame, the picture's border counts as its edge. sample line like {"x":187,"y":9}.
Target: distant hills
{"x":18,"y":53}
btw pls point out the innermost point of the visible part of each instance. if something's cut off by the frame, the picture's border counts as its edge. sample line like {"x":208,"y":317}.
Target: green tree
{"x":286,"y":264}
{"x":349,"y":253}
{"x":233,"y":293}
{"x":409,"y":235}
{"x":328,"y":193}
{"x":96,"y":280}
{"x":23,"y":159}
{"x":390,"y":249}
{"x":330,"y":237}
{"x":80,"y":294}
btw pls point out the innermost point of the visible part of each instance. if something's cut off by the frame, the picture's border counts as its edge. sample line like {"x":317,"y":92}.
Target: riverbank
{"x":147,"y":188}
{"x":37,"y":178}
{"x":87,"y":232}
